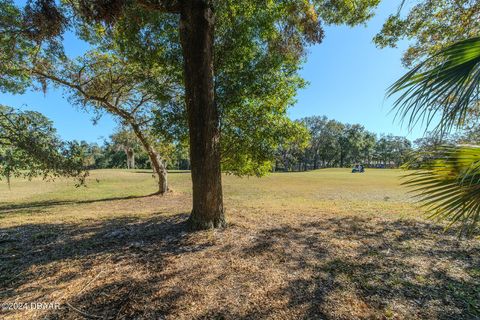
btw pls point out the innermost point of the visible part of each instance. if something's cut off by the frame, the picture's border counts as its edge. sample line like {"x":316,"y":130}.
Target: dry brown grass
{"x":318,"y":245}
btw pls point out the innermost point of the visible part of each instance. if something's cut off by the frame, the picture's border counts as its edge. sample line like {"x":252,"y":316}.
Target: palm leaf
{"x":446,"y":84}
{"x":447,"y":184}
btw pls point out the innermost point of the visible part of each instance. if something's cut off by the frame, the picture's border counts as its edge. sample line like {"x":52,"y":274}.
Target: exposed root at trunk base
{"x":162,"y":193}
{"x":196,"y":222}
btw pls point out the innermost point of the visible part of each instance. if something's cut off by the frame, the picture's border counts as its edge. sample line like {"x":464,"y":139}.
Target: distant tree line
{"x":320,"y":143}
{"x":328,"y":143}
{"x":334,"y":144}
{"x":123,"y":150}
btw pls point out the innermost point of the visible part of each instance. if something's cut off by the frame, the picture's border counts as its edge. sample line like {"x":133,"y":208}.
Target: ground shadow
{"x":32,"y":206}
{"x":394,"y":269}
{"x":169,"y":171}
{"x":334,"y":268}
{"x":125,"y":240}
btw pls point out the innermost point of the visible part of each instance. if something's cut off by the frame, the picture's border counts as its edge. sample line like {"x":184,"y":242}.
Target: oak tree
{"x":281,"y":29}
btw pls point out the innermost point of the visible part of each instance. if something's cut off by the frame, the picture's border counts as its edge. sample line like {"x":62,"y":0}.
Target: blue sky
{"x":348,"y":77}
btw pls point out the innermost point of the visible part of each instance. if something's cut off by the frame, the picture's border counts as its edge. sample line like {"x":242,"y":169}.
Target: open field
{"x":317,"y":245}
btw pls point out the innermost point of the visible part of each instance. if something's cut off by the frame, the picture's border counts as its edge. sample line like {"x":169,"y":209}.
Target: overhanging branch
{"x":167,"y":6}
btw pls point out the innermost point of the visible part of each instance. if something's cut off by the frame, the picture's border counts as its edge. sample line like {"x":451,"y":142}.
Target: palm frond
{"x":447,"y":183}
{"x":446,"y":84}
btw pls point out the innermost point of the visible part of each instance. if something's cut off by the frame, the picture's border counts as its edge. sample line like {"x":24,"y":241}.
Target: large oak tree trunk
{"x":197,"y":36}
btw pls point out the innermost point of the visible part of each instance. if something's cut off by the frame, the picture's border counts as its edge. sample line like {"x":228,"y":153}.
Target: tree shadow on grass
{"x":358,"y":268}
{"x":127,"y":240}
{"x":35,"y":206}
{"x":169,"y":171}
{"x":331,"y":268}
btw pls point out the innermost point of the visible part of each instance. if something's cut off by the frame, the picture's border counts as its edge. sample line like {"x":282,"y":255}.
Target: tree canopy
{"x":430,"y":26}
{"x":29,"y":147}
{"x":330,"y":143}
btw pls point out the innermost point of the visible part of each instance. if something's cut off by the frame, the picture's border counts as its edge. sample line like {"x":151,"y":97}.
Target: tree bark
{"x":130,"y":158}
{"x":197,"y":36}
{"x":158,"y":165}
{"x":159,"y":168}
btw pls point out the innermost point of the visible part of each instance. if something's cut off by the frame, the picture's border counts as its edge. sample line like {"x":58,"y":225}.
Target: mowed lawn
{"x":325,"y":244}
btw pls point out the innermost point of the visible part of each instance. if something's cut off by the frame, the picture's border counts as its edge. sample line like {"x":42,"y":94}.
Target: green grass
{"x":333,"y":190}
{"x":321,"y":244}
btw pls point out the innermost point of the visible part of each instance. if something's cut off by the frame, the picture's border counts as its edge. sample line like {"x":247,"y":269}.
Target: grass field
{"x":325,"y":244}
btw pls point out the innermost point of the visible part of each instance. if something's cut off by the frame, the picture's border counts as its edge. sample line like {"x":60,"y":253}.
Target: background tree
{"x":368,"y":148}
{"x":291,"y":152}
{"x":432,"y":25}
{"x":126,"y":141}
{"x":352,"y":143}
{"x":431,"y":141}
{"x":329,"y":143}
{"x":316,"y":126}
{"x":392,"y":150}
{"x":29,"y":147}
{"x":180,"y":156}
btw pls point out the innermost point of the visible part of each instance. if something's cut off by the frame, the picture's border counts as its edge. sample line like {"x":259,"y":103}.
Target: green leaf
{"x":447,"y":184}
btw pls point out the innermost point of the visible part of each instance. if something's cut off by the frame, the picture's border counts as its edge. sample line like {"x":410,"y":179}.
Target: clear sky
{"x":348,"y":77}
